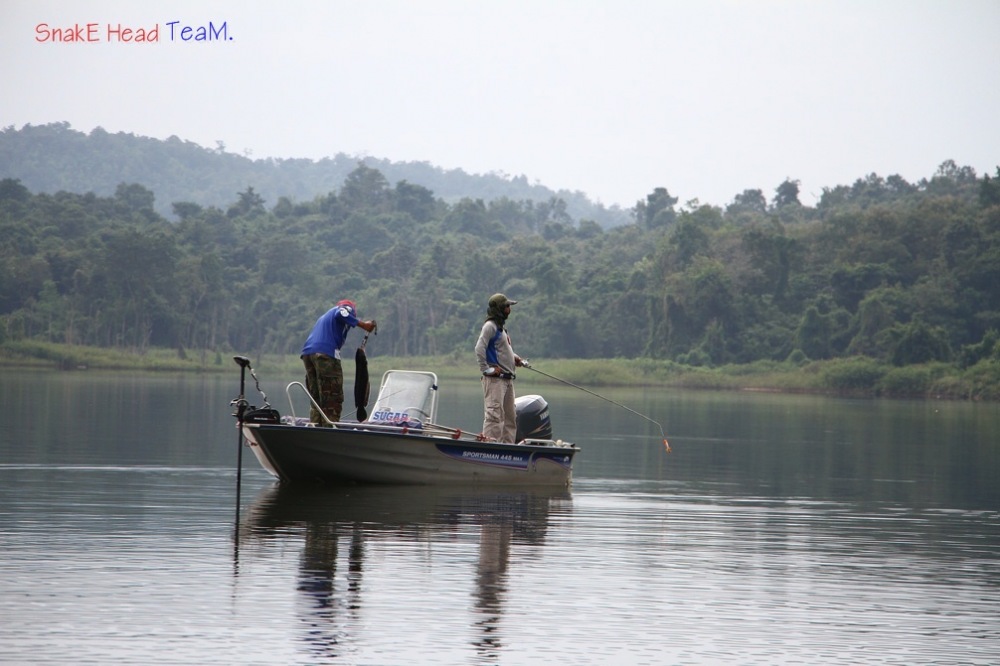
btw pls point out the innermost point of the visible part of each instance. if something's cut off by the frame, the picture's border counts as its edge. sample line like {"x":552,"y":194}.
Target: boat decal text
{"x":494,"y":458}
{"x":388,"y":417}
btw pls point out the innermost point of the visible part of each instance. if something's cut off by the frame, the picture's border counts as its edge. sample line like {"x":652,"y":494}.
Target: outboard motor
{"x":532,"y":418}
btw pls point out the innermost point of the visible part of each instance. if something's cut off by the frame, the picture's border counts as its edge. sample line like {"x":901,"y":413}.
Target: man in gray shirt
{"x":497,"y":361}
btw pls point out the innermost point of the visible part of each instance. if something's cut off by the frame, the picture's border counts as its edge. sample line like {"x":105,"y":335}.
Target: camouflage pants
{"x":325,"y":383}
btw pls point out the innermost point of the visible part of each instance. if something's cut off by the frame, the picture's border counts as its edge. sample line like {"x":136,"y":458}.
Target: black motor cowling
{"x":532,"y":418}
{"x":261,"y":415}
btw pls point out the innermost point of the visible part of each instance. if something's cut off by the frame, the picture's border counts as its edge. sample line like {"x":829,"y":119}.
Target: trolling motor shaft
{"x":240,"y":402}
{"x":244,"y":364}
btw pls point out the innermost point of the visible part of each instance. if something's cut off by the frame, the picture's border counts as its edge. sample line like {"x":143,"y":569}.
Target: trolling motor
{"x":239,"y":402}
{"x":244,"y":412}
{"x":247,"y":413}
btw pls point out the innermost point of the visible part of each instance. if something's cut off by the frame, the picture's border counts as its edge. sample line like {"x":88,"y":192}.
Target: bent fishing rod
{"x":666,"y":444}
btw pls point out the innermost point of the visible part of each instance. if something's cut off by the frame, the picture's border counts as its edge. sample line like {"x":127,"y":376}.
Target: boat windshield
{"x":406,"y":397}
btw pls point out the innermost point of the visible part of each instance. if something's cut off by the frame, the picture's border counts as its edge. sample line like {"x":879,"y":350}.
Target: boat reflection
{"x":338,"y":527}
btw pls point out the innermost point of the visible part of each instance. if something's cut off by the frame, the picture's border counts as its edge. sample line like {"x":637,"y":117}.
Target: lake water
{"x":782,"y":529}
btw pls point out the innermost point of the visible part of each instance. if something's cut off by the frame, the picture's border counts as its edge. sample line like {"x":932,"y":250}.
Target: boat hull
{"x":304,"y":454}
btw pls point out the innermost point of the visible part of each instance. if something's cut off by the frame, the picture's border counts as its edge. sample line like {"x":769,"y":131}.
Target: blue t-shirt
{"x":330,"y":331}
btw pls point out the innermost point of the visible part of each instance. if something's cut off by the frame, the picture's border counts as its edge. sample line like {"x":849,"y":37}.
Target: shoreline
{"x":859,"y":377}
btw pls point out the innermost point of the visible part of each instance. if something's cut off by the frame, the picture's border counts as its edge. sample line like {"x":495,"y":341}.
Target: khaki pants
{"x":325,"y":383}
{"x":500,"y":418}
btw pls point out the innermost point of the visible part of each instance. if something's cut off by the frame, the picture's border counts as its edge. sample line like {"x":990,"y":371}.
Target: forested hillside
{"x":899,"y":272}
{"x":52,"y":158}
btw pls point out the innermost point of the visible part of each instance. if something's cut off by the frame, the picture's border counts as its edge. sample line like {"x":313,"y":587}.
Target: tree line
{"x":900,"y":272}
{"x":54,"y":157}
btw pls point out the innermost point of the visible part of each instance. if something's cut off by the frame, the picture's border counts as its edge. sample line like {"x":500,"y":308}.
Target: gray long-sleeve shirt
{"x":493,"y":348}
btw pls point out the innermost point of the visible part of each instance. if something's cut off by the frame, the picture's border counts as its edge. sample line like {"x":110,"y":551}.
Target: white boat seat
{"x":406,"y":397}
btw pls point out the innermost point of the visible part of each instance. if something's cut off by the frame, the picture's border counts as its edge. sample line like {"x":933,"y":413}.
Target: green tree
{"x":469,"y":216}
{"x":135,"y":198}
{"x":748,"y":201}
{"x":787,"y":194}
{"x":657,"y":211}
{"x":920,"y":343}
{"x":814,"y":334}
{"x":416,"y":201}
{"x":139,"y":279}
{"x":185,"y":209}
{"x":365,"y":188}
{"x":876,"y":315}
{"x":988,"y":347}
{"x":688,"y":240}
{"x":701,"y":296}
{"x":989,"y":190}
{"x":248,"y":202}
{"x":771,"y":254}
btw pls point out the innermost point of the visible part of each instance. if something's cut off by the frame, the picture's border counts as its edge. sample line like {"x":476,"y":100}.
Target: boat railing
{"x":425,"y":429}
{"x":312,"y":401}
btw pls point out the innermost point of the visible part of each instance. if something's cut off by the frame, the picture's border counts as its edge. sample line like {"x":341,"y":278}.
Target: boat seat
{"x":406,"y":397}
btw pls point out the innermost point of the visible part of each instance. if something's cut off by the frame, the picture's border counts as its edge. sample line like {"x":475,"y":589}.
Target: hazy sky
{"x":610,"y":97}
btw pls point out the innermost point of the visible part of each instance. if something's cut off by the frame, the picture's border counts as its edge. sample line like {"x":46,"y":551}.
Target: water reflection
{"x":782,"y":529}
{"x":337,"y":528}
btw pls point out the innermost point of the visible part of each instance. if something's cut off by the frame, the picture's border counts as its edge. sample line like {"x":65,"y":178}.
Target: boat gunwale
{"x":375,"y":429}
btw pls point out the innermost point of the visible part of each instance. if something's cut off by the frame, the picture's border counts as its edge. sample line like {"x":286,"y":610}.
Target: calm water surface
{"x":781,"y":530}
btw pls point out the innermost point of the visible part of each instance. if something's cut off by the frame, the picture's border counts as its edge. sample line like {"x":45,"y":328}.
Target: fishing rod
{"x":666,"y":444}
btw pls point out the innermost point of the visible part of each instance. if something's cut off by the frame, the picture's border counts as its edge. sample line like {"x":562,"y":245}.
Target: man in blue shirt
{"x":321,"y":357}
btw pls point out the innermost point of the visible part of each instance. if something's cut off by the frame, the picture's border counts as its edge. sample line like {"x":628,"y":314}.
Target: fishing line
{"x":597,"y":395}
